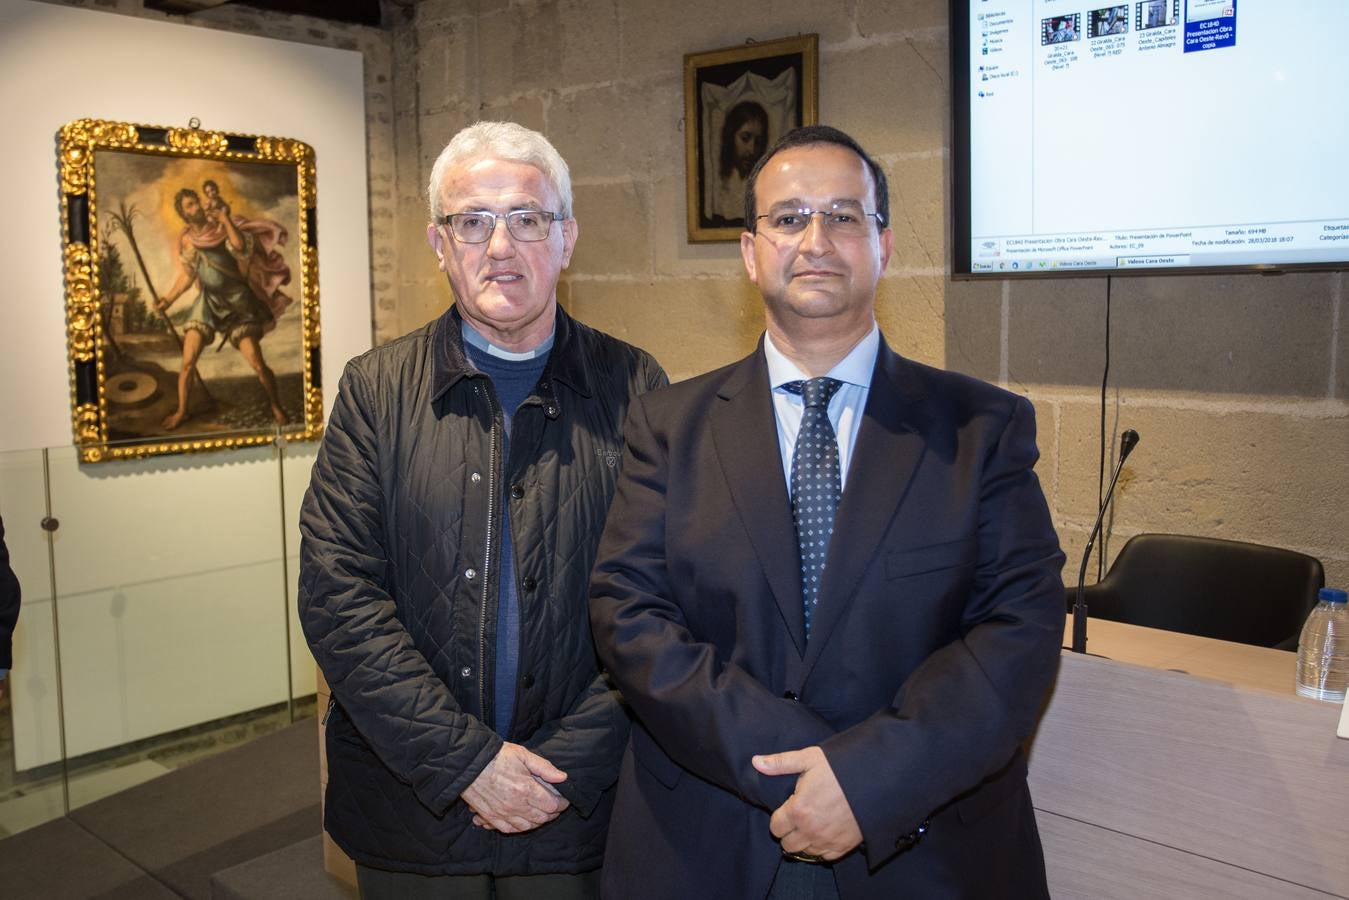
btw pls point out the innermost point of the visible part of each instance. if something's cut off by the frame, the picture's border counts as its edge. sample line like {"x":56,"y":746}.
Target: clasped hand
{"x":515,"y":792}
{"x":816,"y":820}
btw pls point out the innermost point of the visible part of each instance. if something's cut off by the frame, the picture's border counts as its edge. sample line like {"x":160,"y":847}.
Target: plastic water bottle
{"x":1323,"y":649}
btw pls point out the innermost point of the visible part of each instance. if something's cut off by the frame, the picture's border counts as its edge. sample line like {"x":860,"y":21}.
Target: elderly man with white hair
{"x":448,"y":534}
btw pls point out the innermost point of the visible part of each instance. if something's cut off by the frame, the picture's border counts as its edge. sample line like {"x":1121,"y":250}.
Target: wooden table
{"x":1239,"y":664}
{"x":1184,"y":767}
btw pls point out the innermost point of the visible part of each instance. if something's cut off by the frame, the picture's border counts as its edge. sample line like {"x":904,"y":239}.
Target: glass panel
{"x":32,"y":789}
{"x":296,"y":462}
{"x":175,"y":581}
{"x":170,"y":580}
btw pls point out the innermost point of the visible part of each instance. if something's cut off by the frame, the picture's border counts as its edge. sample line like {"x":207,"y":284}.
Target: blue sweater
{"x":513,"y":379}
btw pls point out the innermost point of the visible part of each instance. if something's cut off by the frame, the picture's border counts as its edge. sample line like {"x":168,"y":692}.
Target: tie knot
{"x":816,"y":391}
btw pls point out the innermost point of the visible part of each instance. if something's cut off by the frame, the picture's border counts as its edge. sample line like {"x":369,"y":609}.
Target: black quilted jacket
{"x":398,"y":576}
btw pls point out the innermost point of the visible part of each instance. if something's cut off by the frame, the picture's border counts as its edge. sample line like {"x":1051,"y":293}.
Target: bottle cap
{"x":1333,"y":595}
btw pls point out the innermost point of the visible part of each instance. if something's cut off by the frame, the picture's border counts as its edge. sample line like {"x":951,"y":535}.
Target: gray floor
{"x":35,"y":796}
{"x":242,"y":825}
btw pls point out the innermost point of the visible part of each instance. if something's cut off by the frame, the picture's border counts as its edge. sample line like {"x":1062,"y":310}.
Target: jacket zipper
{"x":492,"y":468}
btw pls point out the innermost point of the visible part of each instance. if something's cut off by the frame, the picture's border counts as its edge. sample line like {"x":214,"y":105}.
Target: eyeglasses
{"x":840,"y":220}
{"x":523,"y":224}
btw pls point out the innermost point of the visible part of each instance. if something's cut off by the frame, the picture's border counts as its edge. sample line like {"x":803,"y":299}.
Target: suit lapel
{"x":744,"y":432}
{"x":890,"y":444}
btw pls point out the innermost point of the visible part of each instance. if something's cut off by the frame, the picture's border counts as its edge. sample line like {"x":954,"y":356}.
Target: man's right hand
{"x":514,"y":792}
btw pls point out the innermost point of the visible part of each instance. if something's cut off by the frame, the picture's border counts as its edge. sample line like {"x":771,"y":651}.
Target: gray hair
{"x":501,"y":140}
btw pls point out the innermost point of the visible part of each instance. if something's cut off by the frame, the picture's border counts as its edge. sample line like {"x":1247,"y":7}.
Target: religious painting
{"x":191,"y":276}
{"x":737,"y":103}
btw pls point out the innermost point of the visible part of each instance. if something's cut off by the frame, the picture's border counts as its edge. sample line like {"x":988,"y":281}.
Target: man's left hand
{"x":515,"y":792}
{"x":816,"y":820}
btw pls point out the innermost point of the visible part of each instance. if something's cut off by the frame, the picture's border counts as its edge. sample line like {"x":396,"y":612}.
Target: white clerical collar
{"x":855,"y":368}
{"x":474,"y":337}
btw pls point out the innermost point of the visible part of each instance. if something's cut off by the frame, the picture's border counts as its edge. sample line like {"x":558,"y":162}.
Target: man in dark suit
{"x":829,"y":590}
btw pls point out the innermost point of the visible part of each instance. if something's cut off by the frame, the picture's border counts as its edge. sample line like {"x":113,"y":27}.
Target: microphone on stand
{"x":1127,"y":441}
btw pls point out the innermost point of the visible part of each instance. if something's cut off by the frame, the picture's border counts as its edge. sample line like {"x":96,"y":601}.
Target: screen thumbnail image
{"x":1158,"y":13}
{"x":1060,"y":29}
{"x":1110,"y":20}
{"x":1203,"y":10}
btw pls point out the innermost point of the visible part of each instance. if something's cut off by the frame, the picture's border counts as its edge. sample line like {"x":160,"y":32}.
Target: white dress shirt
{"x":845,"y":407}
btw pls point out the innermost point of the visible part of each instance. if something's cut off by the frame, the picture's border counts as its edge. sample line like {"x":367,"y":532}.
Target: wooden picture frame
{"x":737,"y":103}
{"x":182,"y":243}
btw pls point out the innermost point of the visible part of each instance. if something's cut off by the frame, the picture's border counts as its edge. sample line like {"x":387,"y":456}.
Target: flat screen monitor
{"x":1148,"y":137}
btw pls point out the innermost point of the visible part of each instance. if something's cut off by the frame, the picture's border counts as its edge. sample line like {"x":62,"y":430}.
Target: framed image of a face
{"x":737,"y":103}
{"x":191,"y":276}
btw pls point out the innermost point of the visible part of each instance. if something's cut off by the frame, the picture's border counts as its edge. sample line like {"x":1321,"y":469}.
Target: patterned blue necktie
{"x":816,"y":484}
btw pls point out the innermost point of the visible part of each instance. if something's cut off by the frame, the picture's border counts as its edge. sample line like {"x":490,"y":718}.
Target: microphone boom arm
{"x":1127,"y":442}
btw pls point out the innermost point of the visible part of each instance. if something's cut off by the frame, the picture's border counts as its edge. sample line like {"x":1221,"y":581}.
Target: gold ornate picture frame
{"x":737,"y":103}
{"x":191,"y":286}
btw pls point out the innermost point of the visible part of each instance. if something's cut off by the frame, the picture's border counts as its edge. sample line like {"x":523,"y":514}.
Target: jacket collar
{"x":567,"y":364}
{"x":743,"y":430}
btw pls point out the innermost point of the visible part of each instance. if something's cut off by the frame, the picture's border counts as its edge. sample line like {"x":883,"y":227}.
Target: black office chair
{"x":1229,"y":590}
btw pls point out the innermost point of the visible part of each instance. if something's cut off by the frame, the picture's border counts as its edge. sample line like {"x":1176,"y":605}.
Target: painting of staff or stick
{"x":200,"y":331}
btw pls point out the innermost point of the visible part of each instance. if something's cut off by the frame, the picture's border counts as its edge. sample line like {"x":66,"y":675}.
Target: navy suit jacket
{"x":934,"y":643}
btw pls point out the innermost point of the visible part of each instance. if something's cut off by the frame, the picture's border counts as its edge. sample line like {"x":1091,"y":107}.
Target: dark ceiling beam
{"x":356,"y":12}
{"x":184,"y":7}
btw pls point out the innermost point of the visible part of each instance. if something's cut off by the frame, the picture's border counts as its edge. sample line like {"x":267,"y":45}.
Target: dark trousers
{"x":803,"y":881}
{"x":378,"y":884}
